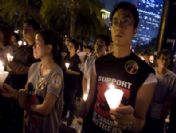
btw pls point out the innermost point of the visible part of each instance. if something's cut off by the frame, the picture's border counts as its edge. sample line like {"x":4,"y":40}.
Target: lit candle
{"x":24,"y":43}
{"x":85,"y":96}
{"x":113,"y":97}
{"x":67,"y":65}
{"x":9,"y":57}
{"x":20,"y":43}
{"x":1,"y":66}
{"x":3,"y":74}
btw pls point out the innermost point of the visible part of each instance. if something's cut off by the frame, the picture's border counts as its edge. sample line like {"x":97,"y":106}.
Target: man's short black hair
{"x":104,"y":38}
{"x":129,"y":7}
{"x":75,"y":43}
{"x":33,"y":23}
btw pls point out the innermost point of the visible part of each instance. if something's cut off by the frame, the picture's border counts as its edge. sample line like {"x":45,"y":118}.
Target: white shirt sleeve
{"x":150,"y":79}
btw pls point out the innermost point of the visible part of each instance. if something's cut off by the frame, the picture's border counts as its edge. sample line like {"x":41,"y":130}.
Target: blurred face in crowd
{"x":71,"y":47}
{"x":163,"y":61}
{"x":66,"y":41}
{"x":40,"y":49}
{"x":28,"y":32}
{"x":122,"y":27}
{"x":100,"y":47}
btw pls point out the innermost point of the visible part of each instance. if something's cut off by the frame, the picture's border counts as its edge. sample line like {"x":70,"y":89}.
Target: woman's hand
{"x":7,"y":91}
{"x":124,"y":117}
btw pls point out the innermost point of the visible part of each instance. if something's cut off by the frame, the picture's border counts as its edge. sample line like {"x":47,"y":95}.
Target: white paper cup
{"x":113,"y":97}
{"x":3,"y":76}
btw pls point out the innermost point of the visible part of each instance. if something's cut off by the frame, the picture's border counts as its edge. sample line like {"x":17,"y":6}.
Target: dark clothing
{"x":11,"y":115}
{"x":153,"y":125}
{"x":127,"y":74}
{"x":72,"y":85}
{"x":23,"y":56}
{"x":172,"y":124}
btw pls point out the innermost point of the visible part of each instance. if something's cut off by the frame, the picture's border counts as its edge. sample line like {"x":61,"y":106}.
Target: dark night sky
{"x":110,"y":3}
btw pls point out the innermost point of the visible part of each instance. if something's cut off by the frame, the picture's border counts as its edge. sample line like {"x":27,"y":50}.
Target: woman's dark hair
{"x":104,"y":38}
{"x":75,"y":43}
{"x":35,"y":24}
{"x":50,"y":37}
{"x":129,"y":7}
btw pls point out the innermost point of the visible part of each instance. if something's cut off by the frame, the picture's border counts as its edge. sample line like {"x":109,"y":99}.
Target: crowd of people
{"x":52,"y":83}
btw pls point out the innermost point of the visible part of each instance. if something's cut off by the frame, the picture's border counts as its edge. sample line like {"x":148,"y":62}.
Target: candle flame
{"x":67,"y":65}
{"x":113,"y":96}
{"x":9,"y":57}
{"x":85,"y":96}
{"x":111,"y":86}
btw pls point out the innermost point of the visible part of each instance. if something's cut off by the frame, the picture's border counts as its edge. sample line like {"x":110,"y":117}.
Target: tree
{"x":77,"y":18}
{"x":14,"y":11}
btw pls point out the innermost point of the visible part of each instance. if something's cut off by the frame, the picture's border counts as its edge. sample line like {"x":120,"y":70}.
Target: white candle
{"x":85,"y":96}
{"x":9,"y":57}
{"x":113,"y":97}
{"x":67,"y":65}
{"x":3,"y":74}
{"x":1,"y":66}
{"x":20,"y":43}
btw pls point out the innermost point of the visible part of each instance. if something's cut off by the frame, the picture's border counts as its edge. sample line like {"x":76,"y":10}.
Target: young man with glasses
{"x":125,"y":71}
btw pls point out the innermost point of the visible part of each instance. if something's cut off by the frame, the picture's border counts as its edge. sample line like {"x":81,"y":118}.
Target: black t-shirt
{"x":71,"y":80}
{"x":127,"y":74}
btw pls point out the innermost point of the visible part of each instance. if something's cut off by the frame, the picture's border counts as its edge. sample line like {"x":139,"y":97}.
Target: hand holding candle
{"x":9,"y":57}
{"x":113,"y":97}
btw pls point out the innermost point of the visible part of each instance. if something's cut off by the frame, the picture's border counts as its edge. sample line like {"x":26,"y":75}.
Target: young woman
{"x":42,"y":97}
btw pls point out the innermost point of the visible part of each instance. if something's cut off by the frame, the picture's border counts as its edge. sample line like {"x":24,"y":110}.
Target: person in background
{"x":15,"y":37}
{"x":65,"y":51}
{"x":146,"y":55}
{"x":124,"y":70}
{"x":5,"y":33}
{"x":23,"y":58}
{"x":172,"y":120}
{"x":87,"y":51}
{"x":72,"y":81}
{"x":100,"y":48}
{"x":162,"y":98}
{"x":110,"y":48}
{"x":42,"y":98}
{"x":18,"y":72}
{"x":6,"y":120}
